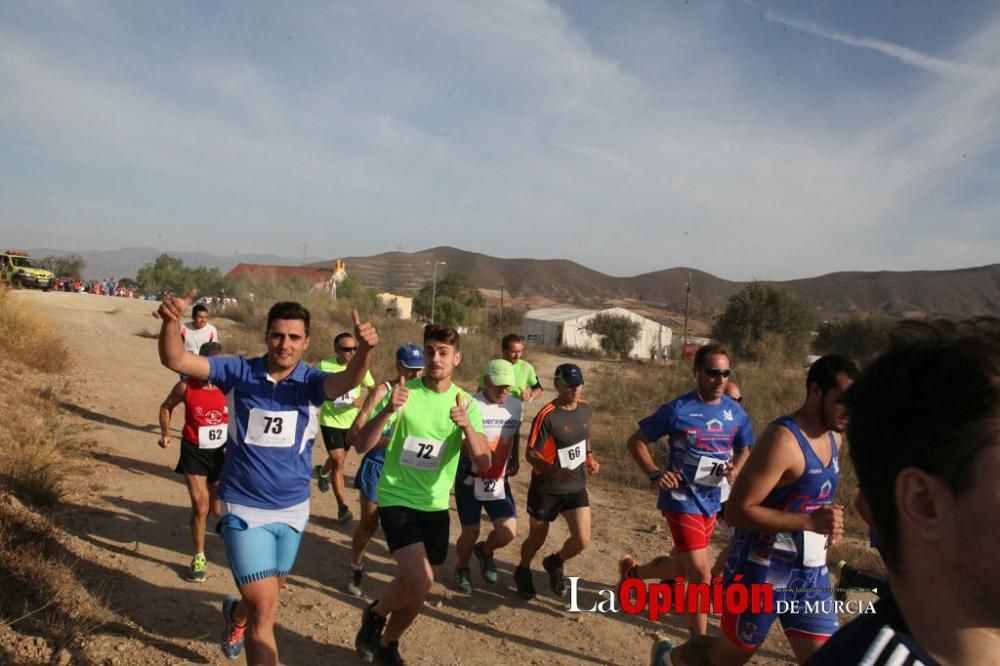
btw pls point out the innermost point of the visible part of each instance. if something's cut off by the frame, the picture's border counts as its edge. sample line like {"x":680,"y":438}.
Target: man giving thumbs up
{"x":432,"y":417}
{"x":265,"y":476}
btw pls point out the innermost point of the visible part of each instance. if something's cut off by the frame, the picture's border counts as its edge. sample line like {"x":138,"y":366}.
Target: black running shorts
{"x":404,"y":526}
{"x":334,"y":438}
{"x":201,"y":462}
{"x":547,"y":506}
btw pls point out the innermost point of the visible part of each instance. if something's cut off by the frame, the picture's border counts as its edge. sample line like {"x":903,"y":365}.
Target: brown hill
{"x":952,"y":293}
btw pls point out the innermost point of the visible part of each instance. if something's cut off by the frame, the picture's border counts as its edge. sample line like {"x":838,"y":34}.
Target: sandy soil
{"x":131,"y":536}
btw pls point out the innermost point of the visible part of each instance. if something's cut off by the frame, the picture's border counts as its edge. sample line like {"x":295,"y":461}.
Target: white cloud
{"x":903,"y":54}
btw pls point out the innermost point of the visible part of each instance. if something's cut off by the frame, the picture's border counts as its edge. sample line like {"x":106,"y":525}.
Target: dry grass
{"x":26,"y":338}
{"x":41,"y":594}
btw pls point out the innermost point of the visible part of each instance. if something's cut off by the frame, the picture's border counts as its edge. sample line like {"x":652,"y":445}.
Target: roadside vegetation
{"x":46,"y":611}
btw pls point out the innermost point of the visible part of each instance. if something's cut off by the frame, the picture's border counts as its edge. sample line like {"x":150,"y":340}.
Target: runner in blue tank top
{"x":783,"y":511}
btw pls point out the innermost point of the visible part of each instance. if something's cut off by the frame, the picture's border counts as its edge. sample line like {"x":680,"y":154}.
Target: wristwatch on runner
{"x":655,"y":475}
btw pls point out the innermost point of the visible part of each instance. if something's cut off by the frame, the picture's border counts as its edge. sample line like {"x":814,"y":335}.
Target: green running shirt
{"x":421,"y":457}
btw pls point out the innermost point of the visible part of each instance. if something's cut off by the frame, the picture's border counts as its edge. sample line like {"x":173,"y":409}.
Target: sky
{"x":749,"y":139}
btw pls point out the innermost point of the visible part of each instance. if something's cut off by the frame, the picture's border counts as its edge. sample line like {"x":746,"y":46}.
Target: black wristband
{"x":655,"y":475}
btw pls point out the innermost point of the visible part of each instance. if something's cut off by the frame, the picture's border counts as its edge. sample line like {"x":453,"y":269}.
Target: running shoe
{"x":463,"y":580}
{"x":660,"y":654}
{"x":554,"y":568}
{"x":344,"y":514}
{"x":626,"y":568}
{"x":322,"y":480}
{"x":232,"y":633}
{"x":525,"y":583}
{"x":354,"y":585}
{"x":370,"y":634}
{"x":196,"y":574}
{"x":389,"y":655}
{"x":487,"y":565}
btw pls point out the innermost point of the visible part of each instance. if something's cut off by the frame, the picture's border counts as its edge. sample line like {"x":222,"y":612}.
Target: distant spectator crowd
{"x":97,"y":287}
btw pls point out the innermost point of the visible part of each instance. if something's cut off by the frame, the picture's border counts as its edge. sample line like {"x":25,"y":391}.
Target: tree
{"x":169,"y":274}
{"x":617,"y":333}
{"x":757,"y":315}
{"x":354,"y":290}
{"x":68,"y":265}
{"x":511,"y":319}
{"x":454,"y":289}
{"x":858,"y":338}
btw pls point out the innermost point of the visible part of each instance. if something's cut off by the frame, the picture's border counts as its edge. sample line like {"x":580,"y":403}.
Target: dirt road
{"x":133,"y":534}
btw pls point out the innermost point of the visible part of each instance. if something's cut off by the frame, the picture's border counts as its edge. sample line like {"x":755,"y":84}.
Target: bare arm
{"x":514,"y":462}
{"x":171,"y":344}
{"x":372,"y":399}
{"x":638,"y":447}
{"x":479,"y":450}
{"x":338,"y":384}
{"x":368,"y":436}
{"x":776,"y":460}
{"x":739,"y":459}
{"x":174,"y":398}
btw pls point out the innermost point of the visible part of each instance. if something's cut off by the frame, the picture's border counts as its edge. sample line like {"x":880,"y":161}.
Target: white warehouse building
{"x":563,"y":326}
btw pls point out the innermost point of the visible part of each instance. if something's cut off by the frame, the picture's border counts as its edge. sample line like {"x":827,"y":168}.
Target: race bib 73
{"x":275,"y":429}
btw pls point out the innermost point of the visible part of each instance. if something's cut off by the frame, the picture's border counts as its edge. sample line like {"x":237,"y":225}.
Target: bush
{"x":169,"y":273}
{"x":68,"y":265}
{"x":25,"y":337}
{"x":510,"y":319}
{"x":452,"y":302}
{"x":617,"y":333}
{"x":857,"y":338}
{"x":759,"y":313}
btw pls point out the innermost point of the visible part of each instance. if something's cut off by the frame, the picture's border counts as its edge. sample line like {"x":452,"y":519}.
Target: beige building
{"x":400,"y":307}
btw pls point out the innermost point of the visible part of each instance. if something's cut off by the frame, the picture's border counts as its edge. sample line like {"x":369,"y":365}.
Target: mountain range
{"x":954,"y":293}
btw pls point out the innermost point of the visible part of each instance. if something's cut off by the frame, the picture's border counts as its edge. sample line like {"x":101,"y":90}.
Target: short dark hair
{"x":199,"y":308}
{"x":825,"y":369}
{"x":288,"y":310}
{"x":510,"y":339}
{"x":341,"y":336}
{"x":930,"y":401}
{"x":701,"y":356}
{"x":210,"y":349}
{"x":439,"y":333}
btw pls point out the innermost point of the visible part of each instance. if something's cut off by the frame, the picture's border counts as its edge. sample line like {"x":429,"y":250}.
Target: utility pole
{"x":501,"y":305}
{"x":434,"y":284}
{"x":687,"y":307}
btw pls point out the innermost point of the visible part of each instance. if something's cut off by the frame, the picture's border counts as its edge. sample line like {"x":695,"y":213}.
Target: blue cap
{"x":570,"y":374}
{"x":410,"y":356}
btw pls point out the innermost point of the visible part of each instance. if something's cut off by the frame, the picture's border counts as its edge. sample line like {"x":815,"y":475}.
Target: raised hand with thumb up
{"x":172,"y":308}
{"x":399,"y":395}
{"x":364,"y":332}
{"x":459,"y":413}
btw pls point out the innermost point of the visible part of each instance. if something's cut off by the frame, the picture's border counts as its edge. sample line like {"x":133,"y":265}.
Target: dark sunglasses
{"x":715,"y":373}
{"x":347,"y":350}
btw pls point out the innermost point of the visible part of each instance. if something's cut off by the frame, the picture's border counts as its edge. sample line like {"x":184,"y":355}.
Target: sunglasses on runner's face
{"x":715,"y":373}
{"x":347,"y":350}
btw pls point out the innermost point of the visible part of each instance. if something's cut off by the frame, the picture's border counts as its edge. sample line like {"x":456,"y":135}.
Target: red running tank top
{"x":203,"y":406}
